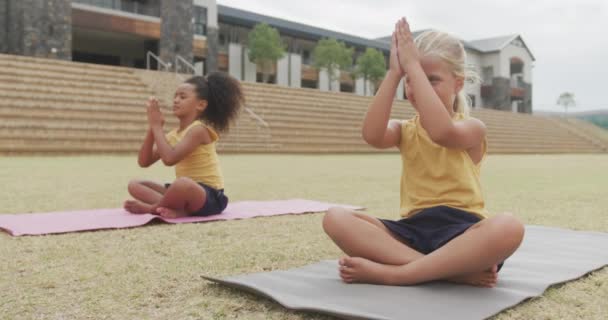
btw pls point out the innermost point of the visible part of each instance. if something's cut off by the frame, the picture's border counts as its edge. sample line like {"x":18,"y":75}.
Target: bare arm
{"x":434,"y":117}
{"x":147,"y":155}
{"x":377,"y":130}
{"x":436,"y":120}
{"x":172,"y":155}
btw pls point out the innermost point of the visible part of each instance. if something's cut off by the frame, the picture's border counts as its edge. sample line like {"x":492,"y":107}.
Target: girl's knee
{"x":183,"y":183}
{"x":133,"y":185}
{"x":333,"y":218}
{"x":508,"y":229}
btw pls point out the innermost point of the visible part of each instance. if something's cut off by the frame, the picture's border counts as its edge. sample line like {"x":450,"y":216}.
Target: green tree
{"x":566,"y":100}
{"x":265,"y":48}
{"x":332,"y":55}
{"x":371,"y":66}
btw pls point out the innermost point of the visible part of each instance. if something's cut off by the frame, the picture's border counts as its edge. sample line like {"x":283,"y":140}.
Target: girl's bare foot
{"x":137,"y":207}
{"x":355,"y":269}
{"x":170,"y":213}
{"x":486,"y":279}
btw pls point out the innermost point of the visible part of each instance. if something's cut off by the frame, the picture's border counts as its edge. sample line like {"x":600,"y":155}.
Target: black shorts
{"x":216,"y":201}
{"x":432,"y":228}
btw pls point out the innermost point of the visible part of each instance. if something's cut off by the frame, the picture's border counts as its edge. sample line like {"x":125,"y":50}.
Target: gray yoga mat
{"x":547,"y":256}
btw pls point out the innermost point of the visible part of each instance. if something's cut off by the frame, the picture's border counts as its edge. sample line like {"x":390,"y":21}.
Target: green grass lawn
{"x":154,"y":272}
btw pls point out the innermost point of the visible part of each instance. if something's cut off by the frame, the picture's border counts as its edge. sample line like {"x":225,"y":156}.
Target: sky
{"x":567,"y":37}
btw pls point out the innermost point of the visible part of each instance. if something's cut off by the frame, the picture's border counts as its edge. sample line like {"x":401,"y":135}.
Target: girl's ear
{"x":459,"y":84}
{"x":202,"y":105}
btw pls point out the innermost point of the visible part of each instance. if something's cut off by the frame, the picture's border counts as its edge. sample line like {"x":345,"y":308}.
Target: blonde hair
{"x":450,"y":50}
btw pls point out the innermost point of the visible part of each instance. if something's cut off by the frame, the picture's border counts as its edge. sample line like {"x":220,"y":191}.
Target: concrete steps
{"x":62,"y":107}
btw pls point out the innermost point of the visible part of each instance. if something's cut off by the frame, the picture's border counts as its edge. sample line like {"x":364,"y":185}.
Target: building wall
{"x":474,"y":89}
{"x":498,"y":91}
{"x":3,"y":26}
{"x":176,"y":30}
{"x":38,"y":28}
{"x":365,"y":88}
{"x":283,"y":71}
{"x":212,"y":33}
{"x":289,"y":70}
{"x":324,"y":81}
{"x":211,"y":6}
{"x":295,"y":64}
{"x":212,"y":48}
{"x":250,"y":68}
{"x":527,"y":103}
{"x":511,"y":51}
{"x":400,"y":95}
{"x":500,"y":98}
{"x":235,"y":58}
{"x":497,"y":85}
{"x":14,"y":29}
{"x":491,"y":60}
{"x":514,"y":50}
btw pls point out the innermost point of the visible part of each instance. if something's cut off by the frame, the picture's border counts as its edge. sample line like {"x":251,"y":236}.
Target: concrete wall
{"x":361,"y":90}
{"x":400,"y":91}
{"x":324,"y":81}
{"x":235,"y":59}
{"x":289,"y":70}
{"x":251,"y":69}
{"x":295,"y":65}
{"x":283,"y":71}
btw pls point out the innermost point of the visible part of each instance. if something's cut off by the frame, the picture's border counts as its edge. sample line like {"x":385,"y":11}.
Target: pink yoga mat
{"x":82,"y":220}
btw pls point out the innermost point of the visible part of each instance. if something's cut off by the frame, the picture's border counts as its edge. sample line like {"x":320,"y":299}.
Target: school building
{"x":201,"y":36}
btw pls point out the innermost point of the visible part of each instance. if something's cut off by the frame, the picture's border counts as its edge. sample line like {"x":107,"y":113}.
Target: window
{"x":200,"y":20}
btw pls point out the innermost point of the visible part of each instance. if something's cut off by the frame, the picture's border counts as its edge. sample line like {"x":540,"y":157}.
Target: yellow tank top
{"x":437,"y":176}
{"x":202,"y":164}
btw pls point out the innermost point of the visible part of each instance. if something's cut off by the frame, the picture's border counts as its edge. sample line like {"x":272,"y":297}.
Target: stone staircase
{"x":62,"y":107}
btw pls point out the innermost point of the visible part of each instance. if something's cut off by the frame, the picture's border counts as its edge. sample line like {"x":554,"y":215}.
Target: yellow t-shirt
{"x":202,"y":164}
{"x":437,"y":176}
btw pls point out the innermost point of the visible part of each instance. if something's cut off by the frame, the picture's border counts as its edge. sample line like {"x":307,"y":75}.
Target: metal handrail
{"x":185,"y":62}
{"x":260,"y":124}
{"x":256,"y":117}
{"x":150,"y":54}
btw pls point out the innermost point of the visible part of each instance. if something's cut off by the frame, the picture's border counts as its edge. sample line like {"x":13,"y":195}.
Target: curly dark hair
{"x":224,"y":98}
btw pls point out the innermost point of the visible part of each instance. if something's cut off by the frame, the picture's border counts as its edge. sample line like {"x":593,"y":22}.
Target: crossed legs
{"x":183,"y":197}
{"x":375,"y":256}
